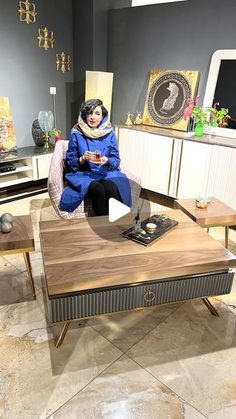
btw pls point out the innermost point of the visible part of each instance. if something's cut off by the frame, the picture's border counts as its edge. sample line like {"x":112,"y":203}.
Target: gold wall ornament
{"x":63,"y":62}
{"x":27,"y":11}
{"x":45,"y":38}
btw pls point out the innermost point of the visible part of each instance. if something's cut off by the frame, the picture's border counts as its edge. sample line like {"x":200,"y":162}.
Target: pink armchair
{"x":56,"y":185}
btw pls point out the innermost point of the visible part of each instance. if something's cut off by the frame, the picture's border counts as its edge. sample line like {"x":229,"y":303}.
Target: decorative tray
{"x":142,"y":234}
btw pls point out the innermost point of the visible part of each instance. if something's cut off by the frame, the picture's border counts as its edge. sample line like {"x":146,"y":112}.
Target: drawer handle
{"x":149,"y":296}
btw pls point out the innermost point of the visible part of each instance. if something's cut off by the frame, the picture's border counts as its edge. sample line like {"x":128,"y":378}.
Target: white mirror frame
{"x":221,"y":54}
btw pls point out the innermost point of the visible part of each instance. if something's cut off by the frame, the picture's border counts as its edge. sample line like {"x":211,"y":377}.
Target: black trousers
{"x":100,"y":192}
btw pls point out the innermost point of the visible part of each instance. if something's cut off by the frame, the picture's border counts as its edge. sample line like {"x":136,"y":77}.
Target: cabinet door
{"x":194,"y":169}
{"x":131,"y":148}
{"x":148,"y":156}
{"x":222,"y":176}
{"x":157,"y":157}
{"x":41,"y":166}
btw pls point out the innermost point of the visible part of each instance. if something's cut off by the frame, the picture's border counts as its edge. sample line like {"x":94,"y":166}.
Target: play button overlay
{"x":119,"y":218}
{"x":117,"y":210}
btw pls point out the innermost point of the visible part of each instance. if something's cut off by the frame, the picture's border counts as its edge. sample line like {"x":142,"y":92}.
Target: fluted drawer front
{"x":145,"y":295}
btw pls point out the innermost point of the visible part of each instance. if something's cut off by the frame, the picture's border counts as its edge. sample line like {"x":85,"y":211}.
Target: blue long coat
{"x":80,"y":176}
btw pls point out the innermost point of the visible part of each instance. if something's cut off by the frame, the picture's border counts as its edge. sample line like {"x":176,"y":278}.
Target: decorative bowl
{"x":202,"y":202}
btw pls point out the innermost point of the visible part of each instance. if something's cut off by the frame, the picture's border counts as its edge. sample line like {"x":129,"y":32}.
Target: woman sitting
{"x":93,"y":160}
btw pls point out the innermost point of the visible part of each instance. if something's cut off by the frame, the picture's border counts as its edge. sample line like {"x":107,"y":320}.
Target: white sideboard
{"x":32,"y":165}
{"x":179,"y":167}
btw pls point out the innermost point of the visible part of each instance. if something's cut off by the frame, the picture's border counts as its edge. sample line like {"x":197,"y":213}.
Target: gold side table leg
{"x":29,"y":271}
{"x":226,"y":237}
{"x":62,"y":334}
{"x":210,"y":307}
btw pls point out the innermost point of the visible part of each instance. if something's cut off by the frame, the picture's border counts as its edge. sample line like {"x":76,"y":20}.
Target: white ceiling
{"x":146,"y":2}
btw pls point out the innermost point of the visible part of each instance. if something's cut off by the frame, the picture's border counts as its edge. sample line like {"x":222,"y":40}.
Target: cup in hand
{"x":97,"y":156}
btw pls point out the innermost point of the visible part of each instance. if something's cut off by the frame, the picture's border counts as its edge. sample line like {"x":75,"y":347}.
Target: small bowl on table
{"x":202,"y":202}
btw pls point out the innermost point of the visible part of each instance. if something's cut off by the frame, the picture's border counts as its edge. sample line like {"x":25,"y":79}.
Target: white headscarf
{"x":104,"y":128}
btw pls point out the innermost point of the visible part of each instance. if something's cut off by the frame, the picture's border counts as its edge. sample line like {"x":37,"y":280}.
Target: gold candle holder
{"x":128,"y":119}
{"x":47,"y":139}
{"x":139,"y":119}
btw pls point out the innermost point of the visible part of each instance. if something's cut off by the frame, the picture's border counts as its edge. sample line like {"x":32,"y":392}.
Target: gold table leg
{"x":226,"y":237}
{"x":210,"y":307}
{"x":62,"y":334}
{"x":29,"y":271}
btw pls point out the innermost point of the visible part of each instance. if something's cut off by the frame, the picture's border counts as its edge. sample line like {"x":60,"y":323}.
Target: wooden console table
{"x":93,"y":270}
{"x":178,"y":167}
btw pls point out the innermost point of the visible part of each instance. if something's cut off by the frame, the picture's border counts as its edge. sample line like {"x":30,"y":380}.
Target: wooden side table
{"x":20,"y":240}
{"x":217,"y":214}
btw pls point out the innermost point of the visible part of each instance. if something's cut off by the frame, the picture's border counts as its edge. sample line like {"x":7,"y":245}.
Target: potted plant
{"x":218,"y":117}
{"x":57,"y":133}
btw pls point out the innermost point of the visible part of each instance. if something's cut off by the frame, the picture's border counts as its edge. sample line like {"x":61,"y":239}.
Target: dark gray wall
{"x":27,"y":71}
{"x":170,"y":36}
{"x":90,"y":39}
{"x":127,"y":41}
{"x":100,"y":32}
{"x":83,"y":49}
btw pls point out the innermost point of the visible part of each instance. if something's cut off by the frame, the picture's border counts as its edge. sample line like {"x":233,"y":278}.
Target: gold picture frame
{"x":168,"y":92}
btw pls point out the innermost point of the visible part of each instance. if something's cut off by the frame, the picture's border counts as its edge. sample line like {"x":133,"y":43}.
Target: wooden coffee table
{"x":90,"y":269}
{"x":217,"y":214}
{"x":20,"y":240}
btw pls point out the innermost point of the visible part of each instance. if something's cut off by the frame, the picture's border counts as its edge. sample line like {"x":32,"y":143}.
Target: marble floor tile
{"x":194,"y":354}
{"x":228,"y":412}
{"x":180,"y":360}
{"x":17,"y":260}
{"x":14,"y":285}
{"x":3,"y":263}
{"x":219,"y":234}
{"x":37,"y":378}
{"x":126,"y":391}
{"x":229,"y":300}
{"x":127,"y":328}
{"x":20,"y":319}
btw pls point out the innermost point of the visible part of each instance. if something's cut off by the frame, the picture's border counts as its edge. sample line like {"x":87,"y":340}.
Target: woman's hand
{"x":103,"y":160}
{"x":88,"y":155}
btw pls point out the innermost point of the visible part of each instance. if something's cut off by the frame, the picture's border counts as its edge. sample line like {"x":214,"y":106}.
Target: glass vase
{"x":46,"y":121}
{"x":199,"y":128}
